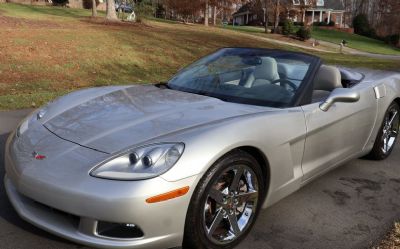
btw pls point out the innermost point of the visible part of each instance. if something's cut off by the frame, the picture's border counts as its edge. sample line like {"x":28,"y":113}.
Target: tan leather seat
{"x":265,"y":73}
{"x":327,"y":79}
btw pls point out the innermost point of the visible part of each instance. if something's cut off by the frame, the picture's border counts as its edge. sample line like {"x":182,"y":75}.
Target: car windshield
{"x":244,"y":75}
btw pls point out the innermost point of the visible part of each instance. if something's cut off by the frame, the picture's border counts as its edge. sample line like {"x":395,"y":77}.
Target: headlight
{"x":140,"y":163}
{"x":23,"y":127}
{"x":25,"y":123}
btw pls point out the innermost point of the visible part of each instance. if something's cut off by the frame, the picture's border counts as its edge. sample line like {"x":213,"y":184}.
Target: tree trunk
{"x":94,"y":8}
{"x":215,"y":15}
{"x":266,"y":16}
{"x":277,"y":12}
{"x":111,"y":14}
{"x":206,"y":14}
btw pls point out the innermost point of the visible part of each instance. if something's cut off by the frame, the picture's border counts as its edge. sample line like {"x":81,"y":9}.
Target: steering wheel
{"x":284,"y":83}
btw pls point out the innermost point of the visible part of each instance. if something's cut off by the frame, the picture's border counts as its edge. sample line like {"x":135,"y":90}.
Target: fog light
{"x":118,"y":230}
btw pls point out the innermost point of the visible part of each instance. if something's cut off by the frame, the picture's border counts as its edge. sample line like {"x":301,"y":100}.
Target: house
{"x":246,"y":14}
{"x":296,"y":10}
{"x":323,"y":11}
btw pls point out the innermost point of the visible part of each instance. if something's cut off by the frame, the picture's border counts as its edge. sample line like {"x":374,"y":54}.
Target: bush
{"x":87,"y":4}
{"x":288,"y":27}
{"x":144,"y":9}
{"x":393,"y":39}
{"x":304,"y":34}
{"x":324,"y":24}
{"x":361,"y":25}
{"x":60,"y":2}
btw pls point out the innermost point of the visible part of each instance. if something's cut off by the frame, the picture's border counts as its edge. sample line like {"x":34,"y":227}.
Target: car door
{"x":337,"y":134}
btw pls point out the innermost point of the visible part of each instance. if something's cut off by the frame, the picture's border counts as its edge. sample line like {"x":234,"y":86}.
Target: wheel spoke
{"x":235,"y":182}
{"x":234,"y":224}
{"x":215,"y":223}
{"x":249,"y":196}
{"x":217,"y":196}
{"x":390,"y":123}
{"x":385,"y":143}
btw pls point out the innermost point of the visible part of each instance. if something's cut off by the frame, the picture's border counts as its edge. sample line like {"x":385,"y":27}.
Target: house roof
{"x":244,"y":9}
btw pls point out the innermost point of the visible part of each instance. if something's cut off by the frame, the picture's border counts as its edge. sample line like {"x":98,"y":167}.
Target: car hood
{"x":124,"y":117}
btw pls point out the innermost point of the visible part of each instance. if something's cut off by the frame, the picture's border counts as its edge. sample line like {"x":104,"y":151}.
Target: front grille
{"x":72,"y":219}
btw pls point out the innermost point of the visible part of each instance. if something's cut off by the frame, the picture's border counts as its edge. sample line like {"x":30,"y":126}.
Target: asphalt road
{"x":351,"y":207}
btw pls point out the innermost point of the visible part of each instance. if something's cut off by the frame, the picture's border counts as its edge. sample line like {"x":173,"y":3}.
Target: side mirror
{"x":343,"y":95}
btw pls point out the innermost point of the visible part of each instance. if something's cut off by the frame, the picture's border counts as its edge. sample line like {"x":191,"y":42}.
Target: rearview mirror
{"x":343,"y":95}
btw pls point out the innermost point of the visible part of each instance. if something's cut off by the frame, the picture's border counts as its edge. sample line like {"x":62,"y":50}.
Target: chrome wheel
{"x":231,"y":204}
{"x":390,"y":130}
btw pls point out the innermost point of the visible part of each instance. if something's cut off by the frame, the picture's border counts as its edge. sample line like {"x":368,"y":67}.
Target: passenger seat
{"x":327,"y":79}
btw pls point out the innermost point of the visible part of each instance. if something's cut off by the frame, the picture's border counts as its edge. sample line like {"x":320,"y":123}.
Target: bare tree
{"x":110,"y":11}
{"x":266,"y":19}
{"x":185,"y":9}
{"x":219,"y":7}
{"x":277,"y":14}
{"x":206,"y":12}
{"x":94,"y":8}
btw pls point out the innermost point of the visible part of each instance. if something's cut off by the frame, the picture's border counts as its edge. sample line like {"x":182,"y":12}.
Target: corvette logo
{"x":38,"y":156}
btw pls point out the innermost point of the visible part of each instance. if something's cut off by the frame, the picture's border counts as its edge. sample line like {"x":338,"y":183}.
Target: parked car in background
{"x":124,"y":7}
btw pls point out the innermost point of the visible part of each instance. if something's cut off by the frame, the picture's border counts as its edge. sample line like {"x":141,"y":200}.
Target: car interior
{"x":267,"y":78}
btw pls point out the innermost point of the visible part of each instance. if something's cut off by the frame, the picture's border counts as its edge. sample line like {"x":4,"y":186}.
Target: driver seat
{"x":263,"y":74}
{"x":327,"y":79}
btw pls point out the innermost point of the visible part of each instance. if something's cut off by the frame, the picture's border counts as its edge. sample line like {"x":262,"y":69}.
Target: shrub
{"x":331,"y":23}
{"x":304,"y":34}
{"x":288,"y":27}
{"x":87,"y":4}
{"x":361,"y":25}
{"x":392,"y":39}
{"x":299,"y":24}
{"x":60,"y":2}
{"x":144,"y":9}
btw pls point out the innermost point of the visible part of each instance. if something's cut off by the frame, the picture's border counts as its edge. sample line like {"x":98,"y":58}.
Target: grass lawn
{"x":250,"y":29}
{"x":358,"y":42}
{"x":48,"y":51}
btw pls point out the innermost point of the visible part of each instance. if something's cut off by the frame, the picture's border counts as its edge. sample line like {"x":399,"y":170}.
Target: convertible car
{"x":192,"y":161}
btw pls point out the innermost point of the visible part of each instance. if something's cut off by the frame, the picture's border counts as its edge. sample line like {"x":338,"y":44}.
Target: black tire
{"x":379,"y":152}
{"x":196,"y":235}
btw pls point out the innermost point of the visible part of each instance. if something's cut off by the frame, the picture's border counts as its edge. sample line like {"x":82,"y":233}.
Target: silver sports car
{"x":192,"y":161}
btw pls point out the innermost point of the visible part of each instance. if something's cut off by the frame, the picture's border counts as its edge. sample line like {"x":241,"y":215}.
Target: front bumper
{"x":71,"y":204}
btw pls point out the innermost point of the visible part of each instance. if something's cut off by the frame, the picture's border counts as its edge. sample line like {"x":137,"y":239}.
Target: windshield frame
{"x":301,"y":96}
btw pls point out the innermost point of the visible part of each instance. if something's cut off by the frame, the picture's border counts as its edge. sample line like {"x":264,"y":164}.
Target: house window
{"x":296,"y":2}
{"x":320,"y":3}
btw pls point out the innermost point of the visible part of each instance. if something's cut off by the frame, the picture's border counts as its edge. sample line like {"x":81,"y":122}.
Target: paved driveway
{"x":350,"y":207}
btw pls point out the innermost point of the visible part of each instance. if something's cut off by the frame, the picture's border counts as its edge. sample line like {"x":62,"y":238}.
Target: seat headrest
{"x":328,"y":78}
{"x":267,"y":70}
